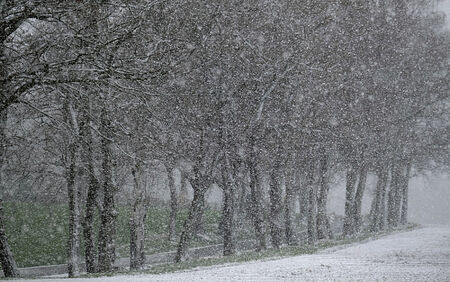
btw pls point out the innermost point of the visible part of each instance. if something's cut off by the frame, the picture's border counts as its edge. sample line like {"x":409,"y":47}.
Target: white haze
{"x":429,"y":198}
{"x":445,"y":6}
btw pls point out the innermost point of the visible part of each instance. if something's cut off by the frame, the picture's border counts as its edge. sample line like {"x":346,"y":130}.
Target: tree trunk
{"x":322,"y":218}
{"x":173,"y":204}
{"x":195,"y":211}
{"x":88,"y":231}
{"x":137,"y":220}
{"x":288,"y":202}
{"x":302,"y":197}
{"x":228,"y":209}
{"x":242,"y":194}
{"x":357,"y":218}
{"x":257,"y":213}
{"x":95,"y":19}
{"x":398,"y":197}
{"x":73,"y":244}
{"x":256,"y":207}
{"x":199,"y":224}
{"x":404,"y":212}
{"x":106,"y":245}
{"x":72,"y":194}
{"x":349,"y":191}
{"x":276,"y":207}
{"x":382,"y":221}
{"x":7,"y":260}
{"x":189,"y":224}
{"x":394,"y":197}
{"x":137,"y":236}
{"x":312,"y":203}
{"x":377,"y":212}
{"x":93,"y":185}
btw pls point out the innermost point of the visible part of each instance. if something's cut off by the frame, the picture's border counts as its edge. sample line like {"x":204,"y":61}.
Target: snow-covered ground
{"x":419,"y":255}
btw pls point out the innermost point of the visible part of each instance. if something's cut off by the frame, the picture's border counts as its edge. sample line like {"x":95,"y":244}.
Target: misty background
{"x":429,"y":198}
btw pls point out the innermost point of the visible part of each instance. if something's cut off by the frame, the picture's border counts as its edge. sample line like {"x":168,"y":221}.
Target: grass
{"x":38,"y":233}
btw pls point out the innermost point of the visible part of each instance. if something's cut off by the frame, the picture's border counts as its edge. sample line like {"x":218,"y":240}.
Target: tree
{"x":71,"y":160}
{"x":13,"y":84}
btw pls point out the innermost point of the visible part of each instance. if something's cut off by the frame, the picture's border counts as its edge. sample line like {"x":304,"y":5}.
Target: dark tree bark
{"x":394,"y":197}
{"x":93,"y":19}
{"x":398,"y":197}
{"x":93,"y":185}
{"x":288,"y":202}
{"x":139,"y":213}
{"x":302,"y":197}
{"x":242,"y":193}
{"x":349,"y":198}
{"x":228,"y":181}
{"x":199,"y":224}
{"x":173,"y":203}
{"x":200,"y":185}
{"x":73,"y":243}
{"x":106,"y":246}
{"x":137,"y":235}
{"x":7,"y":260}
{"x":257,"y":213}
{"x":378,"y":207}
{"x":323,"y":231}
{"x":276,"y":207}
{"x":195,"y":209}
{"x":404,"y":211}
{"x":312,"y":203}
{"x":357,"y":219}
{"x":6,"y":256}
{"x":382,"y":220}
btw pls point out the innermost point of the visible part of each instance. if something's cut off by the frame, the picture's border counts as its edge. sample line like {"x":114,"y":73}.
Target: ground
{"x":422,"y":254}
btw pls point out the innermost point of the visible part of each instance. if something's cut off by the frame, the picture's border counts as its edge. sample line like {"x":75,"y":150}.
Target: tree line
{"x":95,"y":93}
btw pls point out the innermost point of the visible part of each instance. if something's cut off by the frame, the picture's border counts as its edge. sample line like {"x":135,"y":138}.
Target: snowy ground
{"x":418,"y":255}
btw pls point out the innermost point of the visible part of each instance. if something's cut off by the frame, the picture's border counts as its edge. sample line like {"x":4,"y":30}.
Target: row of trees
{"x":234,"y":93}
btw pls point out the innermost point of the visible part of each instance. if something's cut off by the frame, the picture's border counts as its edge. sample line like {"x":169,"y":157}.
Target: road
{"x":419,"y":255}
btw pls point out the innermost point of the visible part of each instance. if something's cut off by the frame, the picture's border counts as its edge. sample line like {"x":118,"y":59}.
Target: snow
{"x":419,"y":255}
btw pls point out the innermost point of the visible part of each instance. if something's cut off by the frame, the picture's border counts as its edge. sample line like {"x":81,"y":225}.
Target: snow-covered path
{"x":418,"y":255}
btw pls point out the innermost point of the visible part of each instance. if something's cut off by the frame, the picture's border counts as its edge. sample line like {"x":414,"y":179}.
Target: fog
{"x":429,"y":199}
{"x":445,"y":6}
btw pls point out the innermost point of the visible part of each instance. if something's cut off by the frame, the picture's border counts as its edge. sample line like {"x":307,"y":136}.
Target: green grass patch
{"x":38,"y":233}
